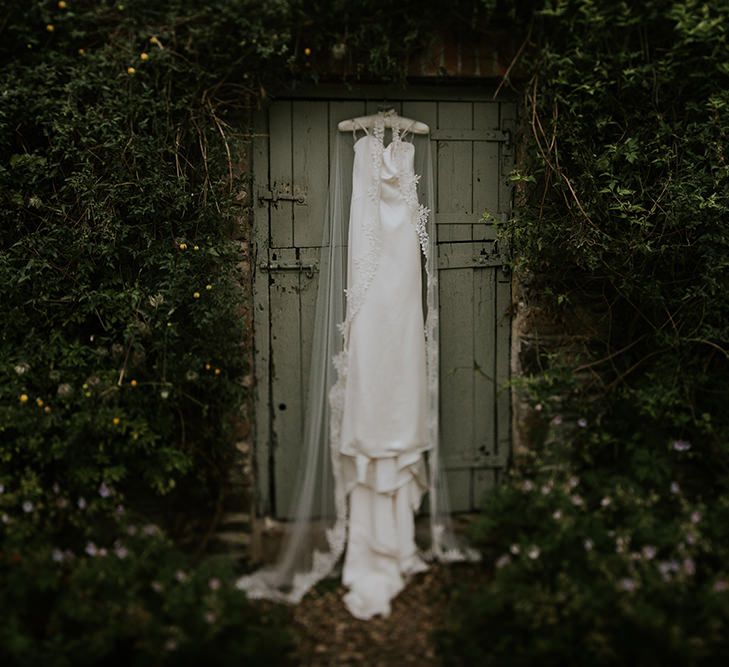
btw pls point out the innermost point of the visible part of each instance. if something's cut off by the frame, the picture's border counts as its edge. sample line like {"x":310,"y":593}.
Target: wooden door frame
{"x":429,"y":90}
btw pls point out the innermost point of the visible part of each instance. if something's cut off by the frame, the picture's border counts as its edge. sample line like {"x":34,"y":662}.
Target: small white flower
{"x":210,"y":617}
{"x":150,"y":529}
{"x":157,"y":587}
{"x":691,"y":537}
{"x":538,"y":407}
{"x":514,"y":548}
{"x":5,"y":518}
{"x":91,"y":549}
{"x":695,"y":516}
{"x":104,"y":490}
{"x":131,"y":530}
{"x":557,"y":420}
{"x":56,"y":488}
{"x":2,"y":488}
{"x":22,"y":368}
{"x":588,"y":543}
{"x":214,"y":584}
{"x":171,"y":645}
{"x":533,"y":552}
{"x":27,"y":506}
{"x":180,"y":576}
{"x":573,"y":481}
{"x":119,"y":510}
{"x":648,"y":551}
{"x":675,"y":488}
{"x":528,"y":485}
{"x":689,"y":567}
{"x":102,"y":551}
{"x":81,"y":502}
{"x":557,"y":515}
{"x":57,"y":555}
{"x":546,"y":489}
{"x":681,"y":445}
{"x":164,"y":393}
{"x":721,"y":585}
{"x":121,"y":551}
{"x":503,"y":561}
{"x":605,"y":501}
{"x":577,"y":500}
{"x":582,"y":422}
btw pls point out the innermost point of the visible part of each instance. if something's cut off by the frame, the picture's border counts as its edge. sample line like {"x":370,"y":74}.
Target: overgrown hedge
{"x":609,"y":544}
{"x":122,"y":126}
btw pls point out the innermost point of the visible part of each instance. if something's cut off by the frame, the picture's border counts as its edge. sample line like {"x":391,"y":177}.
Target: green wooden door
{"x":293,"y":145}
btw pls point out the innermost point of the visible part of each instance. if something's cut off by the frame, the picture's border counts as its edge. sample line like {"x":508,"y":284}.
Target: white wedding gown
{"x":383,"y":416}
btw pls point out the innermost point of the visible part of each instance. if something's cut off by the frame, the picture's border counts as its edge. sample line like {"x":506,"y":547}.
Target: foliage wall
{"x":122,"y":126}
{"x":610,"y":541}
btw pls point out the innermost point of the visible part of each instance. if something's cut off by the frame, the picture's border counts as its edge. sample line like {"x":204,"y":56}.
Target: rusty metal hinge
{"x":273,"y":196}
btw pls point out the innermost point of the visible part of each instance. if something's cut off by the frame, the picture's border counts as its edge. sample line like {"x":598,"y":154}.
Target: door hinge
{"x":297,"y":265}
{"x":285,"y":193}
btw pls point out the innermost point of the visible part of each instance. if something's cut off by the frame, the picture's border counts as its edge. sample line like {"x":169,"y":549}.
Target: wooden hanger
{"x":391,"y":118}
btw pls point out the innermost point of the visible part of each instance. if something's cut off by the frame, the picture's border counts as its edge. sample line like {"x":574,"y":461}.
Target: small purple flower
{"x":691,"y":537}
{"x":681,"y":445}
{"x":695,"y":516}
{"x":721,"y":585}
{"x":577,"y":500}
{"x":649,"y":552}
{"x":180,"y":576}
{"x":91,"y":549}
{"x":557,"y":420}
{"x":689,"y":567}
{"x":120,"y":510}
{"x":150,"y":529}
{"x":121,"y":551}
{"x":503,"y":561}
{"x":582,"y":422}
{"x":104,"y":490}
{"x":627,"y":584}
{"x":27,"y":506}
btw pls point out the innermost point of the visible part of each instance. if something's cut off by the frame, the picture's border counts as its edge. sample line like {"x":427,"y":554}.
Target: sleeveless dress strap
{"x":355,"y":122}
{"x":406,"y":130}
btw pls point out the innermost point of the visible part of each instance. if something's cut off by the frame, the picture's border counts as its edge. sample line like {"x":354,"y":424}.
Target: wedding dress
{"x":370,"y":444}
{"x":384,"y":429}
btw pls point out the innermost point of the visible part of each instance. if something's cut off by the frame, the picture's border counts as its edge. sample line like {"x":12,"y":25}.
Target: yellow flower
{"x":183,"y":246}
{"x":82,"y":52}
{"x":153,"y":39}
{"x":208,"y":286}
{"x":47,"y":409}
{"x":115,"y":421}
{"x":207,"y":367}
{"x":196,"y":247}
{"x":144,"y":56}
{"x":135,"y":435}
{"x":23,"y":398}
{"x":131,"y":70}
{"x":50,"y":27}
{"x":133,"y":383}
{"x":39,"y":402}
{"x":217,"y":371}
{"x":196,"y":295}
{"x":307,"y":51}
{"x":62,"y":4}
